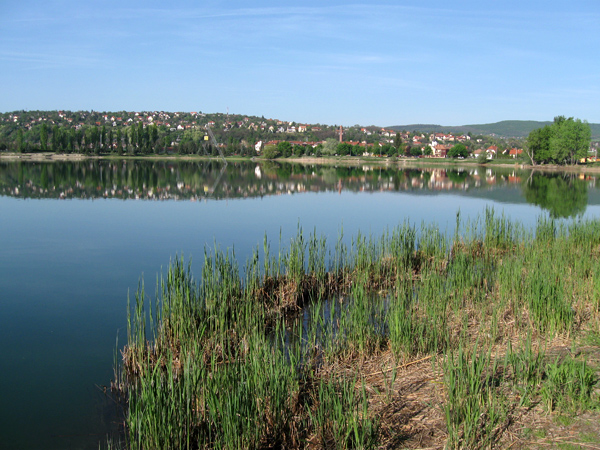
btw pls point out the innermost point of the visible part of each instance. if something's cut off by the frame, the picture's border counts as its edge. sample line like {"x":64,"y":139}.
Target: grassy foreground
{"x":414,"y":339}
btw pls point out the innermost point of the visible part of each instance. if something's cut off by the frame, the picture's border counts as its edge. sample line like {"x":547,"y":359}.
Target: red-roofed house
{"x":514,"y":152}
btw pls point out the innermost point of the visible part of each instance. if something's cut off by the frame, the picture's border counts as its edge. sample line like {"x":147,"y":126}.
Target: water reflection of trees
{"x":168,"y":179}
{"x":563,"y":195}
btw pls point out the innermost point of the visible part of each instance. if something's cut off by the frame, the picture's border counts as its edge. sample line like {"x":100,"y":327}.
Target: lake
{"x":77,"y":238}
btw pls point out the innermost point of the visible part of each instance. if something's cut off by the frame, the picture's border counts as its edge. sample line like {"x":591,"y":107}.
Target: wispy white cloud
{"x":47,"y":60}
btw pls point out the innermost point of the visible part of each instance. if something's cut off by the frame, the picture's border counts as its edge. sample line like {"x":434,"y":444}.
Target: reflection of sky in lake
{"x":66,"y":268}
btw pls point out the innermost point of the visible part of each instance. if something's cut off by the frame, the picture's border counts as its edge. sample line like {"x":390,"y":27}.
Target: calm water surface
{"x":76,"y":238}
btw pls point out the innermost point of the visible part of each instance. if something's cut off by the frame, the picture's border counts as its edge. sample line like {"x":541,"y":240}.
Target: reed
{"x":340,"y":417}
{"x":472,"y":410}
{"x":273,"y":354}
{"x":569,"y":386}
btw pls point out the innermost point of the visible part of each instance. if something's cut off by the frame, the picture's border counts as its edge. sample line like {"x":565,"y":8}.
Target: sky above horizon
{"x":386,"y":63}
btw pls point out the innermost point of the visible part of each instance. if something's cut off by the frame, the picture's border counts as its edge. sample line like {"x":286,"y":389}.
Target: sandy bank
{"x":342,"y":160}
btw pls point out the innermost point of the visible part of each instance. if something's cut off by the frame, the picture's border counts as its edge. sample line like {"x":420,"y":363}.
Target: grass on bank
{"x":411,"y":339}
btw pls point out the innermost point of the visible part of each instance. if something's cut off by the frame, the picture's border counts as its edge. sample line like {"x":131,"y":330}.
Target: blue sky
{"x":386,"y":63}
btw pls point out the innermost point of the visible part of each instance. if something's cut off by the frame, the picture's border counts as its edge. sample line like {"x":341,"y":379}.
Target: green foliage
{"x":20,"y":141}
{"x":458,"y":151}
{"x":398,"y":142}
{"x":271,"y":152}
{"x":44,"y":137}
{"x":482,"y":158}
{"x":564,"y":142}
{"x":344,"y":149}
{"x":330,"y":147}
{"x":298,"y":150}
{"x":285,"y":149}
{"x":416,"y":151}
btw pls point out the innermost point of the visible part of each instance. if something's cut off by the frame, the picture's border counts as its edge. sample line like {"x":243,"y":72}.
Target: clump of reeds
{"x":271,"y":354}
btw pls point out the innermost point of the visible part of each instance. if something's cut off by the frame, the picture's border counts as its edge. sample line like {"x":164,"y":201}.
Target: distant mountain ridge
{"x":505,"y":128}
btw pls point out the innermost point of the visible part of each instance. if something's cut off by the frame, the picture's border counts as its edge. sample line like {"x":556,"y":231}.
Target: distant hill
{"x":505,"y":128}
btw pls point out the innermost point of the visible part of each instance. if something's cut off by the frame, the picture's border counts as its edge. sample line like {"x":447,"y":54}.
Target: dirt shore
{"x":346,"y":160}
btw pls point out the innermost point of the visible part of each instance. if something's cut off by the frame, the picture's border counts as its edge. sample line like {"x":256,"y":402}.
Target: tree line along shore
{"x":166,"y":134}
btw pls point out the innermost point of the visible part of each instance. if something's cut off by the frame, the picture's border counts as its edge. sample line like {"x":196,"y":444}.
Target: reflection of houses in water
{"x":172,"y":182}
{"x":513,"y":178}
{"x":417,"y":182}
{"x":474,"y":174}
{"x":439,"y":180}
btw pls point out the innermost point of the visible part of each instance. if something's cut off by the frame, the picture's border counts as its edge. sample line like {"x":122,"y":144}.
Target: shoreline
{"x":344,"y":160}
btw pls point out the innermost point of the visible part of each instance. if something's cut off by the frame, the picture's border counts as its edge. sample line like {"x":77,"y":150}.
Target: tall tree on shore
{"x":20,"y":142}
{"x":571,"y":140}
{"x":72,"y":140}
{"x":119,"y":141}
{"x":564,"y":142}
{"x":55,"y":138}
{"x":95,"y":138}
{"x":79,"y":139}
{"x":132,"y":138}
{"x":141,"y":137}
{"x":44,"y":137}
{"x":153,"y":136}
{"x":103,"y":142}
{"x":109,"y":142}
{"x":398,"y":144}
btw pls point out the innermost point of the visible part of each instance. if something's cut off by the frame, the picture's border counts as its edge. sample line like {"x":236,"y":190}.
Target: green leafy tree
{"x":153,"y":135}
{"x":103,"y":143}
{"x":71,"y":141}
{"x":55,"y":138}
{"x":80,"y":135}
{"x":538,"y":145}
{"x":140,"y":134}
{"x":44,"y":137}
{"x":563,"y":142}
{"x":570,"y":140}
{"x":95,"y":139}
{"x":387,"y":149}
{"x":416,"y":151}
{"x":119,"y":141}
{"x":329,"y":147}
{"x":398,"y":143}
{"x":109,"y":142}
{"x":458,"y":151}
{"x":344,"y":149}
{"x":482,"y":158}
{"x":132,"y":138}
{"x":271,"y":152}
{"x":145,"y":138}
{"x":20,"y":142}
{"x":285,"y":149}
